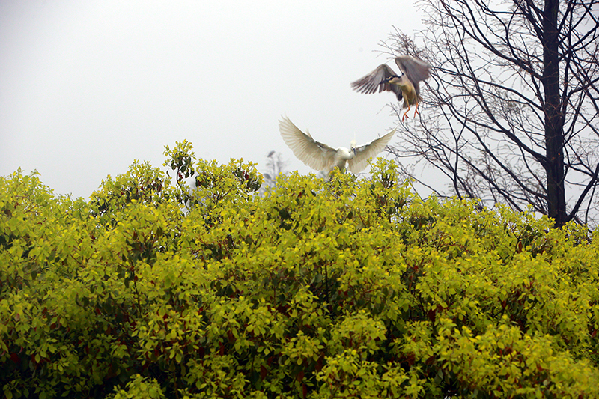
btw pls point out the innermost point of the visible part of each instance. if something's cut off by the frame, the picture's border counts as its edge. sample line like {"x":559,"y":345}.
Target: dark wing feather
{"x":375,"y":79}
{"x":365,"y":152}
{"x":311,"y":152}
{"x":416,"y":70}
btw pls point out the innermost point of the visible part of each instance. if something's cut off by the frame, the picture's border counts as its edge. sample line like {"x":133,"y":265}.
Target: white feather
{"x":320,"y":156}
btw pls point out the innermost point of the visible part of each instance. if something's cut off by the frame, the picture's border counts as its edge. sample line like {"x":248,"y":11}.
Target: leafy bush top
{"x":317,"y":289}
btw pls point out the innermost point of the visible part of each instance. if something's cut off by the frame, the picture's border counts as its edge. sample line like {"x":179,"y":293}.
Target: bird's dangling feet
{"x":405,"y":114}
{"x":416,"y":112}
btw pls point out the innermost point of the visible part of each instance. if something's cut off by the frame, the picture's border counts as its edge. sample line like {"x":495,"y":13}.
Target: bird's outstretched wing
{"x":314,"y":154}
{"x":376,"y":80}
{"x":415,"y":70}
{"x":363,"y":153}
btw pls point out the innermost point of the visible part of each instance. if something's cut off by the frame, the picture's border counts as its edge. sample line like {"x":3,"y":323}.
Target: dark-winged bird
{"x":322,"y":157}
{"x":405,"y":86}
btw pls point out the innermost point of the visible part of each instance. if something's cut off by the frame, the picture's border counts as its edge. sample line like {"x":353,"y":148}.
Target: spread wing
{"x":416,"y":70}
{"x":314,"y":154}
{"x":363,"y":153}
{"x":375,"y":80}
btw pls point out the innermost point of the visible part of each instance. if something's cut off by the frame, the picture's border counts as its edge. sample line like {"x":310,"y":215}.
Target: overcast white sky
{"x":88,"y":86}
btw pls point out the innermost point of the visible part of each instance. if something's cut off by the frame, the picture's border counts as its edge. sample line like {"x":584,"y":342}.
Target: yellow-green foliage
{"x":318,"y":289}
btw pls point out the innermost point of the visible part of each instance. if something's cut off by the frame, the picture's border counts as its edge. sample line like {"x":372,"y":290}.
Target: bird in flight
{"x":320,"y":156}
{"x":405,"y":86}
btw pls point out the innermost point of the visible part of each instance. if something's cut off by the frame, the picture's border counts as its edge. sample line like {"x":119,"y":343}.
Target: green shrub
{"x":317,"y":289}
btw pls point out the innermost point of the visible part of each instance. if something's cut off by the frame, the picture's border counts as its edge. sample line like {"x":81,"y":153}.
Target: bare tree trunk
{"x":554,"y":120}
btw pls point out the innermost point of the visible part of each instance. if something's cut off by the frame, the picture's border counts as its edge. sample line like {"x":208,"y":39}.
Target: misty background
{"x":88,"y":87}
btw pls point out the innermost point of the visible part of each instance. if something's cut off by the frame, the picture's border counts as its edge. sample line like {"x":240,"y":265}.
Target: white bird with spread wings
{"x":321,"y":157}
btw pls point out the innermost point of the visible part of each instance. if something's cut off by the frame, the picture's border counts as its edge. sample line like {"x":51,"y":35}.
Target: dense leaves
{"x":317,"y":289}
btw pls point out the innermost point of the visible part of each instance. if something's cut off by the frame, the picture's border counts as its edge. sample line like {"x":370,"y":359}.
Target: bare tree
{"x":512,"y":106}
{"x":274,"y":167}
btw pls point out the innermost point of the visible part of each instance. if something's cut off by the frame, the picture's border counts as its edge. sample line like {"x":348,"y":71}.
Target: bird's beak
{"x":393,"y":79}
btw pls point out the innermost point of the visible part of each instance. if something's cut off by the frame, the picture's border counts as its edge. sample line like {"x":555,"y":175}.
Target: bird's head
{"x":352,"y":145}
{"x":395,"y":79}
{"x":401,"y":81}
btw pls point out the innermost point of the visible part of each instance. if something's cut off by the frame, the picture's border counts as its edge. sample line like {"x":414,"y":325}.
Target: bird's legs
{"x":405,"y":114}
{"x":416,"y":112}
